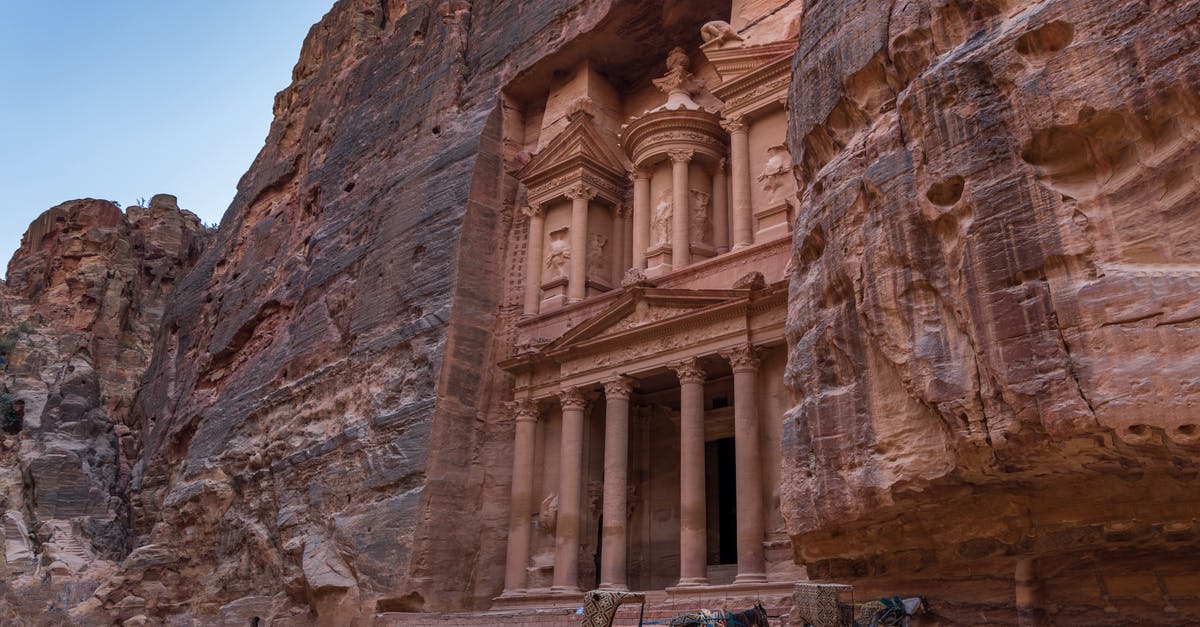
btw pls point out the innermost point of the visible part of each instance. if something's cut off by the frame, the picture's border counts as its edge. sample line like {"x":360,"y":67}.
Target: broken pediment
{"x":581,"y":152}
{"x":735,"y":62}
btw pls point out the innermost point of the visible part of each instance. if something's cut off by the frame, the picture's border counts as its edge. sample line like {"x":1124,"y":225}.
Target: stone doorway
{"x":721,"y":501}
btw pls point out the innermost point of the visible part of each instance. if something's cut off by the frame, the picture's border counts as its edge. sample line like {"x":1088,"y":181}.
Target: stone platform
{"x":546,"y":609}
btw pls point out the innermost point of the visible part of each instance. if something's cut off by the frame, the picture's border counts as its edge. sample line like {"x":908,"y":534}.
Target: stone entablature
{"x":652,"y":137}
{"x":648,"y":328}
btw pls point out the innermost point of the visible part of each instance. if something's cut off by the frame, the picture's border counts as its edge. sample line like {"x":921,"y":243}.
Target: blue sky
{"x":121,"y":99}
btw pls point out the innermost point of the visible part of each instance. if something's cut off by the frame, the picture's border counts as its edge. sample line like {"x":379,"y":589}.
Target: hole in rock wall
{"x":1047,"y":40}
{"x":947,"y":192}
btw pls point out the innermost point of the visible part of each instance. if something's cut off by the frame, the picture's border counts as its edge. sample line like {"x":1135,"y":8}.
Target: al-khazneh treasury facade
{"x":649,"y":357}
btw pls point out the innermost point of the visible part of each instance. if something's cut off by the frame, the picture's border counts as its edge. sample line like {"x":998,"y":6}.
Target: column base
{"x":614,"y":587}
{"x":565,"y":590}
{"x":513,"y":594}
{"x":750,"y":578}
{"x":692,"y":582}
{"x":737,"y":247}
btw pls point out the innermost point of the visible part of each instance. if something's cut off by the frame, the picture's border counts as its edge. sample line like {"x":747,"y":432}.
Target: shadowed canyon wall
{"x":992,"y":314}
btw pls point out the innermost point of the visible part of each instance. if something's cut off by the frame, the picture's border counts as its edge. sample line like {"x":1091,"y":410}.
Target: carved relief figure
{"x":595,"y":256}
{"x":700,"y":222}
{"x":778,"y":166}
{"x":660,"y":228}
{"x":559,"y":257}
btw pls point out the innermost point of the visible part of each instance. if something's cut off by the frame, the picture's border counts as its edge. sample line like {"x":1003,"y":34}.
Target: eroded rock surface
{"x":310,"y":429}
{"x":78,"y":314}
{"x":993,"y":309}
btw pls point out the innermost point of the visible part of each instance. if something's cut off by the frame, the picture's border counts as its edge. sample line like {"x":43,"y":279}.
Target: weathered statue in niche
{"x":699,"y":226}
{"x":660,"y":226}
{"x":778,"y":166}
{"x":560,"y":255}
{"x":595,"y":256}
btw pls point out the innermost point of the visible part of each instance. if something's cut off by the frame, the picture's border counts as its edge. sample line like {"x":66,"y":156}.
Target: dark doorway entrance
{"x":721,"y":495}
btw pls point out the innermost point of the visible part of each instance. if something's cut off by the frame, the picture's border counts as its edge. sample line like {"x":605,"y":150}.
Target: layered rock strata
{"x":311,"y":435}
{"x":992,"y":320}
{"x":79,"y":311}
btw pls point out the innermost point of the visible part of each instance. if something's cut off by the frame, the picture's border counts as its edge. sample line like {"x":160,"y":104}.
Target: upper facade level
{"x":668,"y":180}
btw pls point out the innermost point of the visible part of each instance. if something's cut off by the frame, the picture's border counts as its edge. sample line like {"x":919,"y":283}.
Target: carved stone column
{"x":580,"y":196}
{"x":751,"y":564}
{"x":616,"y":478}
{"x":522,"y":496}
{"x":641,"y":217}
{"x":533,"y":258}
{"x":566,"y":537}
{"x":628,"y":239}
{"x":720,"y":197}
{"x":739,"y":152}
{"x":1027,"y":592}
{"x":693,"y":527}
{"x":620,"y":216}
{"x":681,"y":253}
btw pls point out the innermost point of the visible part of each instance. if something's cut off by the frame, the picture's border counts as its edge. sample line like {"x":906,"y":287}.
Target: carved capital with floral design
{"x":681,"y":155}
{"x":689,"y":371}
{"x":572,"y":398}
{"x":743,"y":358}
{"x":525,"y":410}
{"x":624,"y":212}
{"x":735,"y":125}
{"x":580,"y":191}
{"x":642,"y":172}
{"x":618,"y":387}
{"x":534,"y":210}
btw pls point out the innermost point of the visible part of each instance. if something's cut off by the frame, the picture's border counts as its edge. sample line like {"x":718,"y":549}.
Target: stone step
{"x":627,"y":616}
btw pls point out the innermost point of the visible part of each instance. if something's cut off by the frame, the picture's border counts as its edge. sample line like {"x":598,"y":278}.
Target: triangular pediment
{"x":582,"y":145}
{"x":642,"y":309}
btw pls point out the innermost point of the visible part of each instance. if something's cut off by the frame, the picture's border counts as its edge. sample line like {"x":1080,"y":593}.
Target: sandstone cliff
{"x":79,"y":311}
{"x":310,"y":434}
{"x":992,"y":320}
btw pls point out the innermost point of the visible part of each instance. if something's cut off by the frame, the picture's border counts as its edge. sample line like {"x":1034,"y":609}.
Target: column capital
{"x":681,"y":155}
{"x":580,"y":191}
{"x":618,"y":387}
{"x":624,"y":211}
{"x":526,"y":409}
{"x":722,"y":163}
{"x":642,"y":172}
{"x":737,"y":124}
{"x":572,"y":398}
{"x":534,"y":210}
{"x":743,"y":358}
{"x":689,"y":371}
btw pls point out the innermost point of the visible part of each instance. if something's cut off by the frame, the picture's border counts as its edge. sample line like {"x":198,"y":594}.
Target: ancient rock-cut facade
{"x":650,"y":348}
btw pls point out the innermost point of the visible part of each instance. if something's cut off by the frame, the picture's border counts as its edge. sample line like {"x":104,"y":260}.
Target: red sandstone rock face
{"x":82,"y":304}
{"x":311,"y":427}
{"x":992,"y":311}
